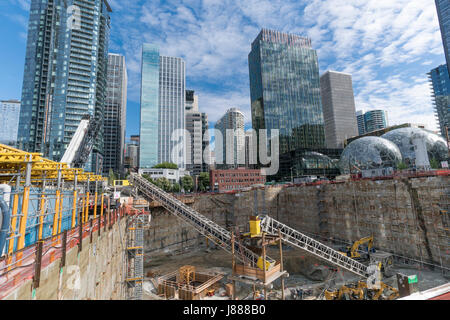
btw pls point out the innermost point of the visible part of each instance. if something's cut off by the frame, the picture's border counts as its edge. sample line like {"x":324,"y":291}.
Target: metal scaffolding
{"x":134,"y":255}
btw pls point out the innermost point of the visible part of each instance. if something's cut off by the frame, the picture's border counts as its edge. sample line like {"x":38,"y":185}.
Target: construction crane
{"x":353,"y":251}
{"x":82,"y":143}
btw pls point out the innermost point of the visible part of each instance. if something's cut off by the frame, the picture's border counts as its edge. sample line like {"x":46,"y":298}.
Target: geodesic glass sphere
{"x":369,"y":153}
{"x":404,"y":137}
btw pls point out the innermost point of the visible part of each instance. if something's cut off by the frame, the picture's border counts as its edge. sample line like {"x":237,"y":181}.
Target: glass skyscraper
{"x":65,"y":75}
{"x":440,"y":83}
{"x":9,"y":121}
{"x":115,"y":115}
{"x":285,"y":89}
{"x":375,"y":120}
{"x":443,"y":10}
{"x":162,"y":108}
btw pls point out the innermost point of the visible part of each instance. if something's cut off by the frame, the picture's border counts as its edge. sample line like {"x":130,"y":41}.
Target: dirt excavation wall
{"x":94,"y":273}
{"x":407,"y":216}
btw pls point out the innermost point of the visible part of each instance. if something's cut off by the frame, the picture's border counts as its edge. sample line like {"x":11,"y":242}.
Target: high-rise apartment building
{"x":375,"y":120}
{"x":371,"y":121}
{"x":360,"y":122}
{"x":162,"y":109}
{"x":440,"y":85}
{"x":339,"y":112}
{"x":9,"y":121}
{"x":65,"y":75}
{"x":115,"y":115}
{"x":197,"y":126}
{"x":443,"y":10}
{"x":231,"y":152}
{"x":285,"y":89}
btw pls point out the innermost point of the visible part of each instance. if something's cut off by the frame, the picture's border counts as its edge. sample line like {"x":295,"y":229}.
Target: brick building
{"x":235,"y":179}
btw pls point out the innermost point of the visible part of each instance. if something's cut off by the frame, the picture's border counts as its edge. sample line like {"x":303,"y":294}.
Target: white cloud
{"x":382,"y":43}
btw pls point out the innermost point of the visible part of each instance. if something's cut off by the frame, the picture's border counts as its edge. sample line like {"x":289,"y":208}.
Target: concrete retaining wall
{"x":407,"y":216}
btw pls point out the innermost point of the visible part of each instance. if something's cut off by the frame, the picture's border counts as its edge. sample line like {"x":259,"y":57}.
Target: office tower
{"x":360,"y":122}
{"x":338,"y":104}
{"x":115,"y":115}
{"x":440,"y":84}
{"x":443,"y":10}
{"x":205,"y":144}
{"x":194,"y":143}
{"x":9,"y":121}
{"x":131,"y":160}
{"x":162,"y":109}
{"x":231,"y":153}
{"x":285,"y":89}
{"x":65,"y":75}
{"x":375,"y":120}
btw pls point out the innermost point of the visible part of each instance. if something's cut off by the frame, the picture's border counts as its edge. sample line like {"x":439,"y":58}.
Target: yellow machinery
{"x":121,"y":183}
{"x":352,"y":251}
{"x":360,"y":291}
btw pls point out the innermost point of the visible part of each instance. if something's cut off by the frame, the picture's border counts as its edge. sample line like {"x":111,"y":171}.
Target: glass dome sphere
{"x":404,"y":138}
{"x":369,"y":153}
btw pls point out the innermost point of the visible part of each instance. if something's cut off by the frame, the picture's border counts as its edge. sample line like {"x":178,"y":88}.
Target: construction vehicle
{"x":210,"y":292}
{"x":345,"y":293}
{"x":354,"y":252}
{"x":361,"y":291}
{"x":82,"y":143}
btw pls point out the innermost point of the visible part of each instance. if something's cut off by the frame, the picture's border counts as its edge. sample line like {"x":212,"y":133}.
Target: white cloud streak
{"x":382,"y":43}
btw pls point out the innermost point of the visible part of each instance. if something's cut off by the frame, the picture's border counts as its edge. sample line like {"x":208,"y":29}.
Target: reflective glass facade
{"x":369,"y":153}
{"x":405,"y":139}
{"x":440,"y":84}
{"x":148,"y":153}
{"x":115,"y":115}
{"x":9,"y":121}
{"x":162,"y":108}
{"x":65,"y":74}
{"x":285,"y":89}
{"x":375,"y":120}
{"x":443,"y":10}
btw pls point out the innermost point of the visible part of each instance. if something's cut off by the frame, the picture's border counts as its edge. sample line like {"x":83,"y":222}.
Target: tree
{"x":434,"y":163}
{"x":187,"y":183}
{"x":164,"y":184}
{"x":203,"y":181}
{"x":166,"y":165}
{"x":111,"y":177}
{"x":176,"y":188}
{"x":402,"y":166}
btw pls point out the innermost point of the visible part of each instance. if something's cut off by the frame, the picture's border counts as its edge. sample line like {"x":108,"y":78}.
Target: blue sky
{"x":388,"y":47}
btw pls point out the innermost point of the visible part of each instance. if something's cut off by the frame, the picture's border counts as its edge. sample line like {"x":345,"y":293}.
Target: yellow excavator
{"x":353,"y":251}
{"x":361,"y":292}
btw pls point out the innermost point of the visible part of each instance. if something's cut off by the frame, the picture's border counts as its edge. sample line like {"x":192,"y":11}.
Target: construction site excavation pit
{"x":307,"y":280}
{"x":407,"y":220}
